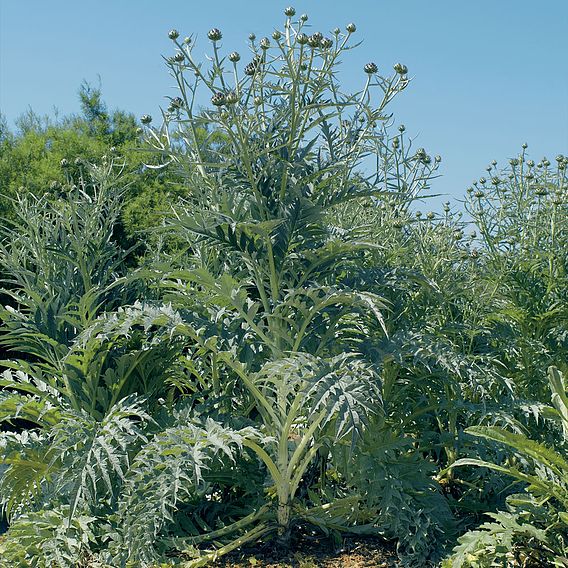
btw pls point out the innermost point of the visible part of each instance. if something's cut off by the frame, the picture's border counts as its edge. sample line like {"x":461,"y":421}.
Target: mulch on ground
{"x":354,"y":553}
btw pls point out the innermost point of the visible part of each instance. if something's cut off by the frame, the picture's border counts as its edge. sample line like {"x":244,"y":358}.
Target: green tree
{"x":43,"y":155}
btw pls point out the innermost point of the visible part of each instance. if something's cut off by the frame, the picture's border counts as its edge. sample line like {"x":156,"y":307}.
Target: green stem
{"x":207,"y":559}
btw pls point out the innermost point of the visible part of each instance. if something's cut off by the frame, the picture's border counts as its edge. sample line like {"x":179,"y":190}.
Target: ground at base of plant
{"x":354,"y":553}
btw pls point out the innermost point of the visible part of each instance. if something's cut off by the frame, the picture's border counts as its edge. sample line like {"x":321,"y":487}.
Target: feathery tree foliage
{"x":44,"y":154}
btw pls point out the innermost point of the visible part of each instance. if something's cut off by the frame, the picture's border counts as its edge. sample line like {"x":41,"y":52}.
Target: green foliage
{"x":47,"y":538}
{"x":44,"y":156}
{"x":535,"y":530}
{"x":522,"y":215}
{"x":400,"y":491}
{"x":298,"y":350}
{"x":170,"y":469}
{"x":267,"y":263}
{"x":61,"y":266}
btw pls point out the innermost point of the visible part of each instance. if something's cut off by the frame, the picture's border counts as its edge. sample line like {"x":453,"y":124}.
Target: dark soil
{"x":354,"y":553}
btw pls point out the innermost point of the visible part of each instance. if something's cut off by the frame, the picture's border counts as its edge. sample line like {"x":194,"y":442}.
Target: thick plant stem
{"x":283,"y":537}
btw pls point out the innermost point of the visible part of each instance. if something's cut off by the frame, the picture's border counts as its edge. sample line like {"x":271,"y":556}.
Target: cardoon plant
{"x":265,"y":261}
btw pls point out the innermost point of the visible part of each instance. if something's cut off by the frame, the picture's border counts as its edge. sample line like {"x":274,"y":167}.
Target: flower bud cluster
{"x":401,"y":69}
{"x":175,"y":104}
{"x":218,"y":99}
{"x":315,"y":39}
{"x":231,"y":98}
{"x":214,"y":34}
{"x":370,"y":68}
{"x":253,"y":66}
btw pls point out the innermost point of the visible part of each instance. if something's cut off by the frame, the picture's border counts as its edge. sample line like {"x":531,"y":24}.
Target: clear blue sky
{"x":488,"y":75}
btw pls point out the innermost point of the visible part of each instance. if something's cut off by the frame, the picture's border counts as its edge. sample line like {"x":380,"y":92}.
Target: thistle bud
{"x":250,"y":69}
{"x":145,"y":119}
{"x":546,"y":163}
{"x":401,"y":69}
{"x":351,"y":28}
{"x":514,"y":162}
{"x":232,"y":98}
{"x":530,"y":163}
{"x":560,"y":158}
{"x":336,"y":31}
{"x":430,"y":215}
{"x":64,"y":163}
{"x":178,"y":57}
{"x":438,"y":159}
{"x":290,"y":11}
{"x":214,"y":34}
{"x":401,"y":128}
{"x":173,"y":34}
{"x":495,"y":180}
{"x":541,"y":191}
{"x":78,"y":162}
{"x":257,"y":101}
{"x":276,"y":35}
{"x":479,"y":194}
{"x":395,"y":143}
{"x":302,"y":38}
{"x":218,"y":99}
{"x":187,"y":40}
{"x":525,"y":146}
{"x":177,"y":102}
{"x":326,"y":43}
{"x":304,"y":18}
{"x":447,"y":207}
{"x":264,"y":43}
{"x":370,"y":68}
{"x":139,"y":131}
{"x":314,"y":40}
{"x":234,"y":57}
{"x":482,"y":181}
{"x":252,"y":37}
